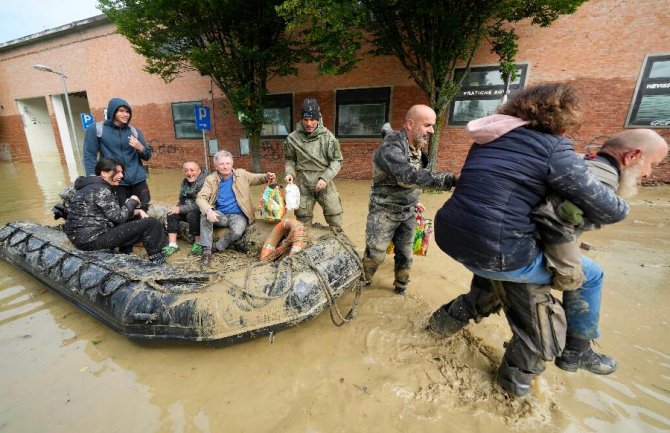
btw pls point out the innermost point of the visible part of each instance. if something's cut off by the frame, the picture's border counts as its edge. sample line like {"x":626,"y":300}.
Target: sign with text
{"x":202,"y":120}
{"x":87,"y":120}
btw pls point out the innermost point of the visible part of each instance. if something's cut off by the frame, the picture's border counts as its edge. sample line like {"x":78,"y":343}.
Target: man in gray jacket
{"x":313,"y":156}
{"x":398,"y":174}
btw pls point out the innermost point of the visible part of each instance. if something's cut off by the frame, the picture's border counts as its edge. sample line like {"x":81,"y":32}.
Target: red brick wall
{"x":600,"y":50}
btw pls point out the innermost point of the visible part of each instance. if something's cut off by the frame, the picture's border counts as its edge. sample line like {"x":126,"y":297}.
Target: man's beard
{"x":628,"y":181}
{"x":420,"y":140}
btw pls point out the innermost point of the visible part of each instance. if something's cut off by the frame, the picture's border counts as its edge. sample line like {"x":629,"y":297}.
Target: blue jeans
{"x":582,"y":306}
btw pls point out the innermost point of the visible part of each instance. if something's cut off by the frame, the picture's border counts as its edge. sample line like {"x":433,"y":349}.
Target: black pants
{"x":192,"y":218}
{"x":141,"y":190}
{"x":537,"y":319}
{"x":146,"y":230}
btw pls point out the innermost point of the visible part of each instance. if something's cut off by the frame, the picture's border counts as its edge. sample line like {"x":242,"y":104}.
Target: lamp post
{"x":63,"y":77}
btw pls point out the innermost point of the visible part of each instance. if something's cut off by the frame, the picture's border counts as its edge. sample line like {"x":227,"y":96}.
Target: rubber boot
{"x":514,"y":380}
{"x":442,"y":324}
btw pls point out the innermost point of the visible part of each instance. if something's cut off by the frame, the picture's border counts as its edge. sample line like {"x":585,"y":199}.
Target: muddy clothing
{"x":96,"y":221}
{"x":487,"y":223}
{"x":114,"y":143}
{"x":537,"y":319}
{"x":188,"y":209}
{"x":560,"y":222}
{"x":310,"y":157}
{"x":398,"y":173}
{"x":488,"y":226}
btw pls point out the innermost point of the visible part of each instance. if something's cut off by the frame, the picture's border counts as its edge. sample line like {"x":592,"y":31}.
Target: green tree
{"x":240,"y":44}
{"x":430,"y":39}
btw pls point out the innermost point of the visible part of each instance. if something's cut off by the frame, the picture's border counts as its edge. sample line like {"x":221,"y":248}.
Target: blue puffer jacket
{"x":114,"y":144}
{"x":487,"y":224}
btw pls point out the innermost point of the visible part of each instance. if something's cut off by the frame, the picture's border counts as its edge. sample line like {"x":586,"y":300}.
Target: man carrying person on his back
{"x":225,"y":201}
{"x":115,"y":138}
{"x":313,"y":155}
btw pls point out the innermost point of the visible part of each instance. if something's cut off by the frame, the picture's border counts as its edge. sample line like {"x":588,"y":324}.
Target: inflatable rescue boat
{"x":237,"y":299}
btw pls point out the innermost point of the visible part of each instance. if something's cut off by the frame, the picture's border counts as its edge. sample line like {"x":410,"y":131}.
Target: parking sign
{"x":87,"y":120}
{"x":202,"y":121}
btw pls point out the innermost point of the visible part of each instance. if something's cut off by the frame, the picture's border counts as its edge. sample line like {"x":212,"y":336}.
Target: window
{"x":183,"y":117}
{"x":481,"y":92}
{"x":651,"y":103}
{"x":278,"y":115}
{"x":362,"y":112}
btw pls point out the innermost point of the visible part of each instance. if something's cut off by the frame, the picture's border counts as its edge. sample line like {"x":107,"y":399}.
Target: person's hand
{"x":270,"y":177}
{"x":211,"y":216}
{"x":173,"y":210}
{"x":136,"y":198}
{"x":321,"y":185}
{"x":289,"y":178}
{"x":135,"y":143}
{"x":419,"y":207}
{"x":140,"y":213}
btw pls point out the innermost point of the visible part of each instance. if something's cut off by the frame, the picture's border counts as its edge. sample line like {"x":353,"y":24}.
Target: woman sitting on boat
{"x":97,"y":221}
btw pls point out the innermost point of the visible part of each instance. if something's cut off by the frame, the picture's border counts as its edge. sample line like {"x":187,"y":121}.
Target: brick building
{"x":616,"y":53}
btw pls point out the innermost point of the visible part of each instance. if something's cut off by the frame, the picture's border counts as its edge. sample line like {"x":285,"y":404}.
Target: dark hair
{"x":551,"y":107}
{"x":106,"y":164}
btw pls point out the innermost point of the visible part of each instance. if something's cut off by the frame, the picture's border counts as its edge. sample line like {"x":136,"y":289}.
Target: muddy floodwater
{"x":62,"y":371}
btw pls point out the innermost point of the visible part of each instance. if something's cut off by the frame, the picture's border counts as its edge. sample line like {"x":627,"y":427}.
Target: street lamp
{"x":63,"y":77}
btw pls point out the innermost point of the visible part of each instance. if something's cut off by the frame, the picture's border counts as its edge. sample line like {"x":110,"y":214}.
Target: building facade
{"x":615,"y":53}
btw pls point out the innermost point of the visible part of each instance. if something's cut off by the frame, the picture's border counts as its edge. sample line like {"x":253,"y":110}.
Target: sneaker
{"x":196,"y":249}
{"x":158,"y":259}
{"x":572,"y":360}
{"x":168,"y":250}
{"x":206,"y":259}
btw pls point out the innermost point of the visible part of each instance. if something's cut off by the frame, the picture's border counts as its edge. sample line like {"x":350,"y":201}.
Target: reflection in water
{"x":62,"y":371}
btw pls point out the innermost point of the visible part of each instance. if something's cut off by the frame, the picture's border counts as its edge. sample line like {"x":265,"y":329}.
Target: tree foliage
{"x":240,"y":44}
{"x":430,"y":39}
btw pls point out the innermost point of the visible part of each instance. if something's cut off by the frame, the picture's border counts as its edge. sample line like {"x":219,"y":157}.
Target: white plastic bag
{"x":292,"y":196}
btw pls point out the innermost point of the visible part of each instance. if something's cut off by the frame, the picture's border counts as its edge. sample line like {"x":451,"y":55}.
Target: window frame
{"x":174,"y":122}
{"x":279,"y":100}
{"x":640,"y":87}
{"x":361,"y":96}
{"x":496,"y":90}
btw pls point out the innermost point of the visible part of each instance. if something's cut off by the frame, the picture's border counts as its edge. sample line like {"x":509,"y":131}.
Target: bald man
{"x":186,"y":209}
{"x":398,"y":174}
{"x":622,"y":161}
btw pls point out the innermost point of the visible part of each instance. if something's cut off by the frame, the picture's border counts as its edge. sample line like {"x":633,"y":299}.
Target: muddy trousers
{"x":146,"y":230}
{"x":236,"y":223}
{"x":192,"y":218}
{"x":536,"y":318}
{"x":383,"y":227}
{"x":328,"y":199}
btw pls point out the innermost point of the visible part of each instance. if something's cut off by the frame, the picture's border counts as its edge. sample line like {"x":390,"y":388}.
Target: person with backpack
{"x":116,"y":138}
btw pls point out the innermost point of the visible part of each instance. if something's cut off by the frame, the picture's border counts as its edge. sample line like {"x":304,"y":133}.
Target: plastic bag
{"x":273,"y":204}
{"x":423,"y":233}
{"x":292,"y":196}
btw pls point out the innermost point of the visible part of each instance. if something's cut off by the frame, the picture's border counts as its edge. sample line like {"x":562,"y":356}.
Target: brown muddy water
{"x":62,"y":371}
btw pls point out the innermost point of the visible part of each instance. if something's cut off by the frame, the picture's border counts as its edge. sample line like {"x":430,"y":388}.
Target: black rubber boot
{"x":442,"y":324}
{"x":587,"y":359}
{"x":514,"y":380}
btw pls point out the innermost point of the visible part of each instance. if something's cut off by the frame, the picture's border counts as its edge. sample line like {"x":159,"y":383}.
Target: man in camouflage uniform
{"x":313,"y":155}
{"x":398,"y":174}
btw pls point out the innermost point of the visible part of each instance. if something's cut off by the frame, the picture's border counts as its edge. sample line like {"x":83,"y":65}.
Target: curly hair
{"x":552,"y":108}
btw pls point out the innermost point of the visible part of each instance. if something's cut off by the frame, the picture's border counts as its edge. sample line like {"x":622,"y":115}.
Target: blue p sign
{"x":87,"y":120}
{"x":202,"y":121}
